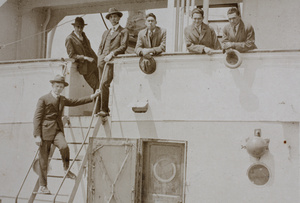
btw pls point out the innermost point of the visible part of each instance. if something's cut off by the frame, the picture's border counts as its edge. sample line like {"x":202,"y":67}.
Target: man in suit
{"x":79,"y":48}
{"x":237,"y":34}
{"x":151,"y":40}
{"x":199,"y":37}
{"x":48,"y":127}
{"x":114,"y":42}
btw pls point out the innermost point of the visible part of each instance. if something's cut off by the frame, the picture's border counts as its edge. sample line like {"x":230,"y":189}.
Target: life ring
{"x":232,"y":59}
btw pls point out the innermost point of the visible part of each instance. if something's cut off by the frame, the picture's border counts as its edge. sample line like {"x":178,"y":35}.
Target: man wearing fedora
{"x":200,"y":37}
{"x":114,"y":42}
{"x":151,"y":40}
{"x":237,"y":34}
{"x":79,"y":48}
{"x":48,"y":127}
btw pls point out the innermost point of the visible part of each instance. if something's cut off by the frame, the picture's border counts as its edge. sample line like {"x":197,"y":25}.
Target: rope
{"x":103,"y":21}
{"x":14,"y":42}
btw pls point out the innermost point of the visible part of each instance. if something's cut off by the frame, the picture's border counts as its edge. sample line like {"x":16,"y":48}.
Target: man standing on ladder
{"x":48,"y":127}
{"x":114,"y":42}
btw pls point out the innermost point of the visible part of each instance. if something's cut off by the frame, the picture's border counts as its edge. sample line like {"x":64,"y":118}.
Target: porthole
{"x":258,"y":174}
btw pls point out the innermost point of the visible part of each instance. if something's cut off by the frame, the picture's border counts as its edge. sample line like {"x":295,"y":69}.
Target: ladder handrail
{"x":87,"y":134}
{"x":24,"y":180}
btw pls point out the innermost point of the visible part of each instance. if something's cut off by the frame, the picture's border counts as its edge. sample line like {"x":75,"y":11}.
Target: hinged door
{"x":112,"y":170}
{"x":164,"y":164}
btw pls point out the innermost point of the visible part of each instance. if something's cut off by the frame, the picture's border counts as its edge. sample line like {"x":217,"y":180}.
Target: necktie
{"x":150,"y":37}
{"x":58,"y":101}
{"x":113,"y":29}
{"x":234,"y":30}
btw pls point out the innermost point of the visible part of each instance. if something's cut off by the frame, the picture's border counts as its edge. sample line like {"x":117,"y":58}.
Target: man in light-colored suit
{"x":151,"y":40}
{"x":114,"y":42}
{"x":48,"y":127}
{"x":200,"y":37}
{"x":79,"y":48}
{"x":237,"y":34}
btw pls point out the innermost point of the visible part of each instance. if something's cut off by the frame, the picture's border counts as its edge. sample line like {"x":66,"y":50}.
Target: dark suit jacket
{"x":47,"y":117}
{"x":244,"y":39}
{"x":118,"y":42}
{"x":75,"y":47}
{"x":195,"y":41}
{"x":158,"y":41}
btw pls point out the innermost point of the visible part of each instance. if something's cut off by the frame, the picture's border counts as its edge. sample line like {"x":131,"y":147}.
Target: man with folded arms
{"x":237,"y":34}
{"x":200,"y":37}
{"x":79,"y":48}
{"x":151,"y":40}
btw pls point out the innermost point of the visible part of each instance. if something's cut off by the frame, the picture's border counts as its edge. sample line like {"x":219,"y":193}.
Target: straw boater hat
{"x":59,"y":79}
{"x":113,"y":11}
{"x":79,"y":21}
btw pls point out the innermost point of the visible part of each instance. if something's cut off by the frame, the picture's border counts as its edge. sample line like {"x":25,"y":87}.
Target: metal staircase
{"x":101,"y":121}
{"x":78,"y":147}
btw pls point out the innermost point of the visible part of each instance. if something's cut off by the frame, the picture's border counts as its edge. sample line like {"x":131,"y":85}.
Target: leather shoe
{"x":102,"y":114}
{"x":70,"y":175}
{"x":44,"y":190}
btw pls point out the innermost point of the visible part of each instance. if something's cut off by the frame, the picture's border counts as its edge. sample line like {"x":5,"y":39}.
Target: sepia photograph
{"x":149,"y":101}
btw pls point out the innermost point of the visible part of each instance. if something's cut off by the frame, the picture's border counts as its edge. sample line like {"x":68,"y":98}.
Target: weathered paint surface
{"x":22,"y":83}
{"x":200,"y":88}
{"x":226,"y":107}
{"x":198,"y":99}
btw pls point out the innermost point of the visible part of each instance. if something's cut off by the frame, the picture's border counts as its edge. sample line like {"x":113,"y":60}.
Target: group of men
{"x":199,"y":38}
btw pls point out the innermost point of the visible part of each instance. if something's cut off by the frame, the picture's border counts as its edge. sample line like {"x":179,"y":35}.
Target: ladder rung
{"x":55,"y":176}
{"x":78,"y":127}
{"x":77,"y":143}
{"x":40,"y":193}
{"x":69,"y":159}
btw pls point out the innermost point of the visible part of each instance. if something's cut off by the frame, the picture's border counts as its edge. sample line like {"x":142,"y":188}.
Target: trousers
{"x":92,"y":76}
{"x":61,"y":143}
{"x":107,"y":77}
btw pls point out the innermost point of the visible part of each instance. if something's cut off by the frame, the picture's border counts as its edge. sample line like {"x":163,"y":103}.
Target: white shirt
{"x":236,"y":28}
{"x":80,"y":37}
{"x":55,"y":95}
{"x":114,"y":28}
{"x":198,"y":28}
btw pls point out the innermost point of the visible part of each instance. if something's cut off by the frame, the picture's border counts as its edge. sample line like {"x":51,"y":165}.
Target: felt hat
{"x":59,"y":79}
{"x":79,"y":22}
{"x":147,"y":64}
{"x":113,"y":11}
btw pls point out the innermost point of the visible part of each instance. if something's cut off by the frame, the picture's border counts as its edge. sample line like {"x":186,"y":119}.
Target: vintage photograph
{"x":149,"y":101}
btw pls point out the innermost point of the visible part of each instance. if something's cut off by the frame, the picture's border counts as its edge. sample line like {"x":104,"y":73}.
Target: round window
{"x":164,"y":170}
{"x":258,"y":174}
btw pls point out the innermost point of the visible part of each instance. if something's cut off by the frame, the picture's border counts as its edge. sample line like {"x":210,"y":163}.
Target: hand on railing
{"x":89,"y":59}
{"x":96,"y":94}
{"x":38,"y":141}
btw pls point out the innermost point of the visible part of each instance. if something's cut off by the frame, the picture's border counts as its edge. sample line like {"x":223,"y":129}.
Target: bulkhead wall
{"x":198,"y":99}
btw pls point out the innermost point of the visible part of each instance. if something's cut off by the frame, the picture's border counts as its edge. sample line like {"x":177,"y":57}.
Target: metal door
{"x":112,"y":170}
{"x":163,"y":171}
